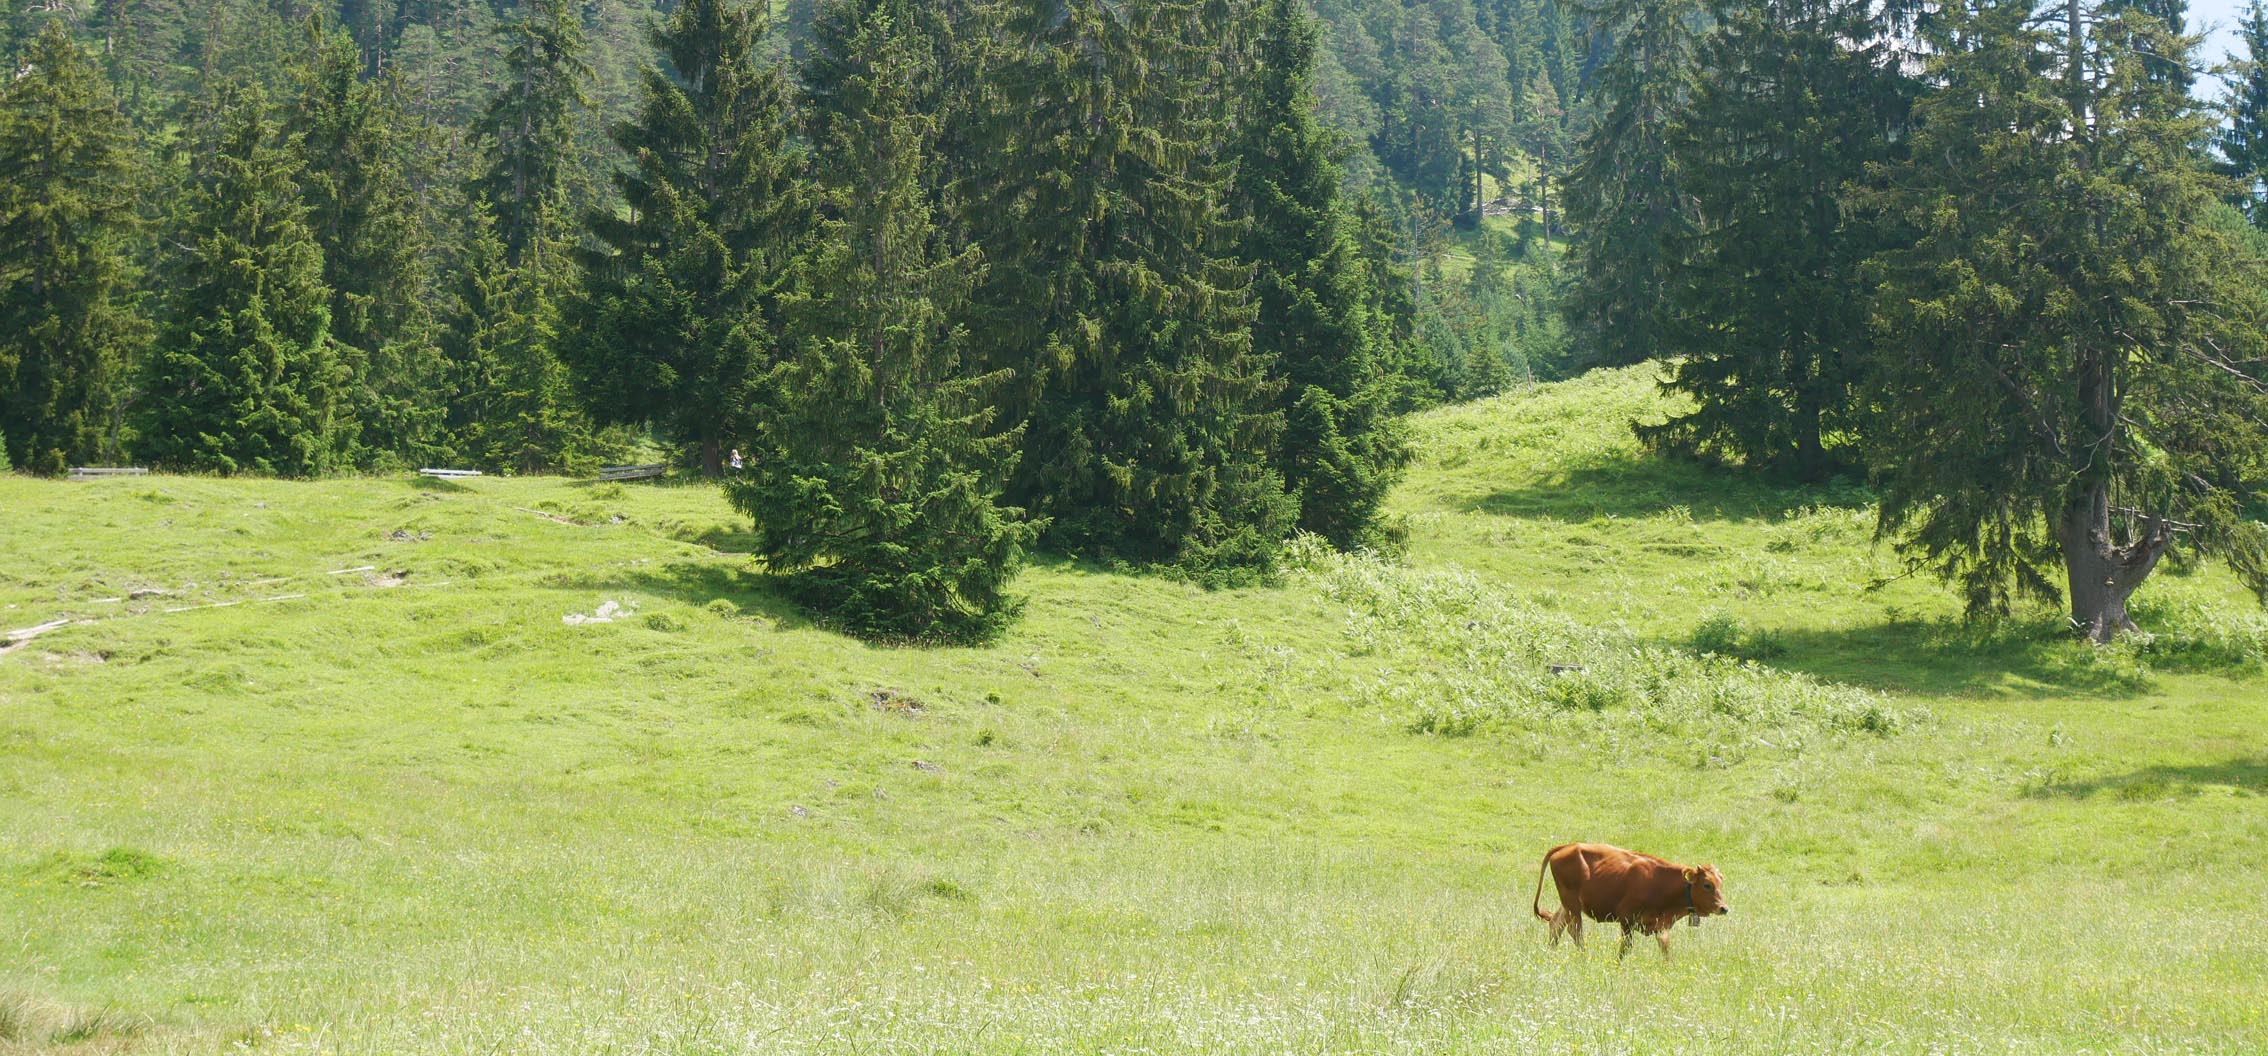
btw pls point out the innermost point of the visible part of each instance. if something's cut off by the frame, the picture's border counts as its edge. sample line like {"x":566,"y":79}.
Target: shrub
{"x":1722,"y":634}
{"x":1718,"y":634}
{"x":1460,"y":658}
{"x":2186,"y":633}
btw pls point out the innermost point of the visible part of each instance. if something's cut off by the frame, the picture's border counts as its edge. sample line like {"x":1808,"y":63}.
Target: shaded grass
{"x":2246,"y":776}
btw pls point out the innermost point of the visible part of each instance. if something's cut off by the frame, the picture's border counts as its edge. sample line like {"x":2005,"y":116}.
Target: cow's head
{"x":1708,"y":891}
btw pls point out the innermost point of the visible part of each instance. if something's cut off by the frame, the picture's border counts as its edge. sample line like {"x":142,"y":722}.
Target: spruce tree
{"x":1114,"y":291}
{"x":243,"y":377}
{"x":529,"y":125}
{"x":2070,"y":379}
{"x":514,"y":407}
{"x":1789,"y":112}
{"x":1341,"y":449}
{"x":373,"y":233}
{"x":677,"y":314}
{"x":1623,"y":195}
{"x":67,"y":324}
{"x":877,"y":481}
{"x":2244,"y":143}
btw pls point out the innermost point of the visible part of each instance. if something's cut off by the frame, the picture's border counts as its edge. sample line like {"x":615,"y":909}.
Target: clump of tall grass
{"x":1461,"y":657}
{"x":2188,"y":633}
{"x":25,"y":1020}
{"x":85,"y":1025}
{"x":1722,"y":634}
{"x":17,"y":1014}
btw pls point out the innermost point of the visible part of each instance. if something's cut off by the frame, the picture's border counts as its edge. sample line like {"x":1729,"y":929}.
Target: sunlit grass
{"x":365,"y":790}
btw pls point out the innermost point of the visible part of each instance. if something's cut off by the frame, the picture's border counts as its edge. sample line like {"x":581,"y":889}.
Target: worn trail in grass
{"x":368,"y":791}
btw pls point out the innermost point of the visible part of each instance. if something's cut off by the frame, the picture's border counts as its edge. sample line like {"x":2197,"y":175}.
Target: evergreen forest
{"x":932,"y":285}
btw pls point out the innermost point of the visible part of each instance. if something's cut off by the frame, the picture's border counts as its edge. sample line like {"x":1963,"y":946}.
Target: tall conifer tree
{"x":67,"y":324}
{"x":1623,"y":195}
{"x":1341,"y":449}
{"x":1114,"y":290}
{"x":1543,"y":132}
{"x":1791,"y":110}
{"x":351,"y":138}
{"x":514,"y":407}
{"x":244,"y":376}
{"x":2072,"y":370}
{"x":677,"y":314}
{"x":878,"y":479}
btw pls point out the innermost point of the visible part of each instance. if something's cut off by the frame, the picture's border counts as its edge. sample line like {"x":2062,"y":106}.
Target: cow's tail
{"x":1541,"y":870}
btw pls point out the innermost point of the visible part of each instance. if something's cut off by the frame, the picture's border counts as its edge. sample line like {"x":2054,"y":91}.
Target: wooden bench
{"x":449,"y":474}
{"x":631,"y":472}
{"x":98,"y":472}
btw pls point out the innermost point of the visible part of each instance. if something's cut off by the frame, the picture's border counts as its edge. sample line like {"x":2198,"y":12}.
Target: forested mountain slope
{"x":1412,"y":83}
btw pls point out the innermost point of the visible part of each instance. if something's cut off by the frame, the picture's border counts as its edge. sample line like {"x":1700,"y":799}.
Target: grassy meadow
{"x":325,"y":767}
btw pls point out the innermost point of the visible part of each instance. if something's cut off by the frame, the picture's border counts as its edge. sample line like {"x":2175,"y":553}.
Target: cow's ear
{"x":1691,"y":874}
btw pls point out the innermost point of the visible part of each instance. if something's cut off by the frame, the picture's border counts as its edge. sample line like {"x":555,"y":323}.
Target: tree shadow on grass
{"x":672,"y":478}
{"x":1951,"y":658}
{"x":747,"y":591}
{"x":721,"y":538}
{"x":2162,"y":782}
{"x":1641,"y":486}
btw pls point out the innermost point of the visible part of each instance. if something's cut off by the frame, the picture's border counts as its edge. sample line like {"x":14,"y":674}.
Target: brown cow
{"x":1638,"y":891}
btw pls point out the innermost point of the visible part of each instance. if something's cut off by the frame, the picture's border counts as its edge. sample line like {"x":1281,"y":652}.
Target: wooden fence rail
{"x":631,"y":472}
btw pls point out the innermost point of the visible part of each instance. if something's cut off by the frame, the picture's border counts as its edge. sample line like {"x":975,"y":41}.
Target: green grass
{"x":411,"y":809}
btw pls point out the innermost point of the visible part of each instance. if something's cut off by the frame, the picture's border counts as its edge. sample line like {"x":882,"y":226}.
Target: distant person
{"x":736,"y":458}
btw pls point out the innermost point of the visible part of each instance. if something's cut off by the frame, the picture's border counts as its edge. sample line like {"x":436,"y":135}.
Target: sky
{"x":2222,"y":16}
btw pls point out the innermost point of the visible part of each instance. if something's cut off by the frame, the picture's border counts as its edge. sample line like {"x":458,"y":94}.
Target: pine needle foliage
{"x":2244,"y":143}
{"x":354,"y":140}
{"x":528,"y":127}
{"x":1623,"y":193}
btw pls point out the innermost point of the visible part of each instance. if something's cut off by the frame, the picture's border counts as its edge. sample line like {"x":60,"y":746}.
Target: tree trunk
{"x":712,"y":456}
{"x":2103,"y":575}
{"x":1812,"y":464}
{"x":1543,"y":188}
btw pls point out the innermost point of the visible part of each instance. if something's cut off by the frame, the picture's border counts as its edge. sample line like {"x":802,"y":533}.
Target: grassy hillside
{"x":326,"y":769}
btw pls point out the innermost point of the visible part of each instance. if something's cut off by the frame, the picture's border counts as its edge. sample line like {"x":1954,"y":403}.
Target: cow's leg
{"x":1629,"y":934}
{"x":1662,"y":937}
{"x":1564,"y":922}
{"x":1570,"y":915}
